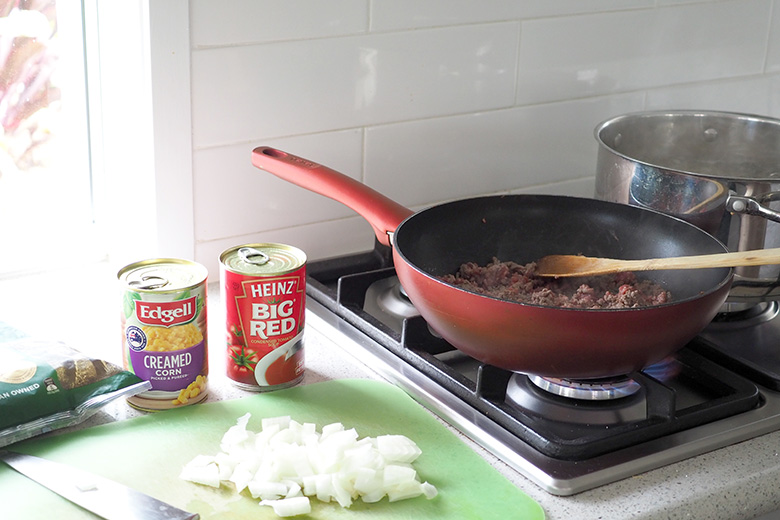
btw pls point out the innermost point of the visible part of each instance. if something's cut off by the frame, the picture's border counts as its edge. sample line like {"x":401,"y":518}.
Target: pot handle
{"x":750,"y":206}
{"x":384,"y":214}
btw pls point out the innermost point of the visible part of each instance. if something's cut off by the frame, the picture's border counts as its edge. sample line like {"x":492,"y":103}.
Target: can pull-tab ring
{"x":149,"y":282}
{"x":253,"y":256}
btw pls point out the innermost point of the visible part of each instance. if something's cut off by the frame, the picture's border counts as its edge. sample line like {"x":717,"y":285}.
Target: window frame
{"x":141,"y":149}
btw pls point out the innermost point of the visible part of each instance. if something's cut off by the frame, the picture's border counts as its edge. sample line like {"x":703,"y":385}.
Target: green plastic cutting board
{"x":148,"y":453}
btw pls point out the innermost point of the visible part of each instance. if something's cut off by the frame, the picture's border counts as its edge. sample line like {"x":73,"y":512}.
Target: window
{"x":47,"y":217}
{"x":117,"y":187}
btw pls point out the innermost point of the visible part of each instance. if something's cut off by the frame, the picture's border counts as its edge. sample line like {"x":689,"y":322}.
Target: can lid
{"x":263,"y":259}
{"x":162,"y":275}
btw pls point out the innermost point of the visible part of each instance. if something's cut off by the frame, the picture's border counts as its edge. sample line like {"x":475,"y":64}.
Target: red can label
{"x":265,"y":316}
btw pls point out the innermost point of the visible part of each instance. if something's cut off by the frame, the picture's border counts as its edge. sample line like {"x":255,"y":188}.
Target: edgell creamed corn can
{"x":164,"y":334}
{"x":265,"y":297}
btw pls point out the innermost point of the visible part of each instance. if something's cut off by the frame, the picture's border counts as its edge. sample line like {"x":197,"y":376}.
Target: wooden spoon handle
{"x":739,"y":258}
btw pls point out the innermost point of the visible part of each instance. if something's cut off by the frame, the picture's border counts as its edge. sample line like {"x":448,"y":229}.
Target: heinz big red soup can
{"x":264,"y":286}
{"x":164,"y":334}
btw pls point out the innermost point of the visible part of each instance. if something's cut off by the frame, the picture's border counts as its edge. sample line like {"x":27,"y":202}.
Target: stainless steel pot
{"x":717,"y":170}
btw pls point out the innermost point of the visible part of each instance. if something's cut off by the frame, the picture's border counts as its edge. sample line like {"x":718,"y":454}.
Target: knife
{"x":104,"y":497}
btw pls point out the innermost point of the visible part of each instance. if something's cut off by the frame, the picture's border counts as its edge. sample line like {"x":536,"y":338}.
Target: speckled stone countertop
{"x":737,"y":482}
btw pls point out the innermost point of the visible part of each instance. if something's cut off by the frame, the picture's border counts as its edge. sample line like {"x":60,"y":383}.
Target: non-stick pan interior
{"x":523,"y":228}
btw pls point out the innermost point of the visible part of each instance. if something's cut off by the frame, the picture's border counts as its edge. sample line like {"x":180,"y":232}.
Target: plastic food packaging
{"x":46,"y":385}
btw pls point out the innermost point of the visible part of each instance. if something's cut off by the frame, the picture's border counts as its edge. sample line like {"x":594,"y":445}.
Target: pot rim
{"x":601,"y":128}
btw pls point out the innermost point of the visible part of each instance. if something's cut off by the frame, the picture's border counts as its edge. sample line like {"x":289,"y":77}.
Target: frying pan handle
{"x":384,"y":214}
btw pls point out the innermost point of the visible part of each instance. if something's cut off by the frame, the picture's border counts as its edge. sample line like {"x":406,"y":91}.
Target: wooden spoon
{"x":560,"y":266}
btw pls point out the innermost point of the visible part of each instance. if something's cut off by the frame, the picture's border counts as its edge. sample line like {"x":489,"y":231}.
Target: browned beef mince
{"x":515,"y":282}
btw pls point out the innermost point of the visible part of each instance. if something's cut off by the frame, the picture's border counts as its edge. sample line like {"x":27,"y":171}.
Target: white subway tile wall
{"x":441,"y":99}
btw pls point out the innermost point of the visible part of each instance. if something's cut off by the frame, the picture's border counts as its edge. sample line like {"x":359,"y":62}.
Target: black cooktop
{"x":682,"y":392}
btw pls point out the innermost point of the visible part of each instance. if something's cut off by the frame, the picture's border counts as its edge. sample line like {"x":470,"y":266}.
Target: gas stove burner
{"x":392,"y":298}
{"x":587,"y":389}
{"x":749,"y":317}
{"x":539,"y":395}
{"x":387,"y":301}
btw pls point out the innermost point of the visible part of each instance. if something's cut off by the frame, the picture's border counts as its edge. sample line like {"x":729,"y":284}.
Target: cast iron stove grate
{"x":700,"y":391}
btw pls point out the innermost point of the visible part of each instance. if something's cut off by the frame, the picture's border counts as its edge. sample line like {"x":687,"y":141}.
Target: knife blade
{"x":106,"y":498}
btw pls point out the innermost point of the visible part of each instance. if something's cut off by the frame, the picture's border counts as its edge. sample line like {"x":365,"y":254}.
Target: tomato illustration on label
{"x":241,"y":364}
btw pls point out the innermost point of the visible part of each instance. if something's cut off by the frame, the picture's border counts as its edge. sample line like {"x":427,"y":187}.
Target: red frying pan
{"x":546,"y":341}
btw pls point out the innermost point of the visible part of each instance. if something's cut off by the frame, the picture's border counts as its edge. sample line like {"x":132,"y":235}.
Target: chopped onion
{"x":266,"y":490}
{"x":397,"y":448}
{"x":201,"y":470}
{"x":287,"y":462}
{"x":289,"y":506}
